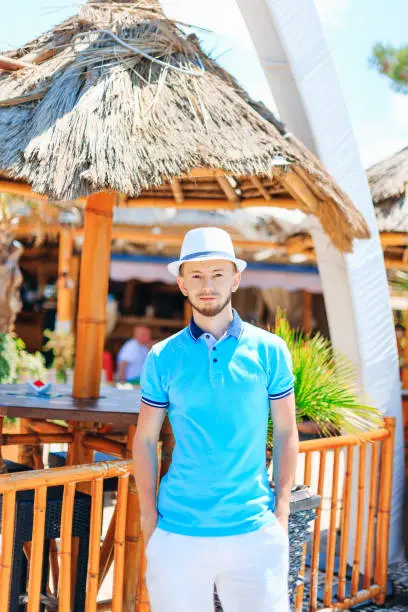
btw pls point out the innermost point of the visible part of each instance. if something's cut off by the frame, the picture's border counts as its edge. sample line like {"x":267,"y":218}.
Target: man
{"x":132,"y":355}
{"x":216,"y":521}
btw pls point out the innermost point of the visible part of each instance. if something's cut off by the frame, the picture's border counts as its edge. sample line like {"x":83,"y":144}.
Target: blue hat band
{"x":206,"y":253}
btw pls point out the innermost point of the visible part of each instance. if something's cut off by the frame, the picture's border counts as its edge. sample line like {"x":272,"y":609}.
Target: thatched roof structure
{"x":388,"y":181}
{"x":119,"y":98}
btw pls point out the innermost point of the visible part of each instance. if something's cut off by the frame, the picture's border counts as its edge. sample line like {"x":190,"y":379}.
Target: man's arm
{"x":285,"y":453}
{"x":145,"y":465}
{"x":122,"y":368}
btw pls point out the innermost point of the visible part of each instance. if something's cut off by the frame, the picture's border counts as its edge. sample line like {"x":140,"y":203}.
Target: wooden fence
{"x":344,"y":470}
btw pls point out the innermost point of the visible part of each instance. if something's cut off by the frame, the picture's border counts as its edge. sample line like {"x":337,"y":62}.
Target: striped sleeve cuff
{"x":276,"y":396}
{"x":153,"y":403}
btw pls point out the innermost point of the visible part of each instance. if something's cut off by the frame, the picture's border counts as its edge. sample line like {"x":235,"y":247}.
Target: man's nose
{"x":207,"y":284}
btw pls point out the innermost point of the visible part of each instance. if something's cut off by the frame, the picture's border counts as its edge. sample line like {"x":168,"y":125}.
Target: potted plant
{"x":328,"y":398}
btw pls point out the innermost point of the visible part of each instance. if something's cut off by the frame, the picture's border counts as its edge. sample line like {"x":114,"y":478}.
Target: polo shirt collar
{"x":234,"y":329}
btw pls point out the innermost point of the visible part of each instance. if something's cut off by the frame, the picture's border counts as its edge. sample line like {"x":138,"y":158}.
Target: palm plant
{"x":326,"y":387}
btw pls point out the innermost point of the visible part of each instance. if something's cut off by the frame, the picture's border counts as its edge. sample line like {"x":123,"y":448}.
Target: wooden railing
{"x":342,"y":470}
{"x":353,"y":475}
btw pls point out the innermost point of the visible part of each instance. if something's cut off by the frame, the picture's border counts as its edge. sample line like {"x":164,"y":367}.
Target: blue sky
{"x":379,"y":116}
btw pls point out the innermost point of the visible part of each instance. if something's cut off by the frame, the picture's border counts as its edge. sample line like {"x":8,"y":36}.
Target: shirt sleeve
{"x":281,"y":379}
{"x":153,"y":392}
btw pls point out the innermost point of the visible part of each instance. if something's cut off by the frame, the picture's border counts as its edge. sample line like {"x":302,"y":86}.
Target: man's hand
{"x":149,"y":524}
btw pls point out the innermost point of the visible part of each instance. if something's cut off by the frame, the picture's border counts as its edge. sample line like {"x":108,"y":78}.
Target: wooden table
{"x":119,"y":407}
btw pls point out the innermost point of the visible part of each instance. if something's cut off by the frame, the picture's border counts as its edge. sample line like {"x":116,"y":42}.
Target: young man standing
{"x":216,"y":520}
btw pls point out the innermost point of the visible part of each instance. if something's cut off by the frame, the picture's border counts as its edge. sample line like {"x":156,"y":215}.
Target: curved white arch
{"x":294,"y":54}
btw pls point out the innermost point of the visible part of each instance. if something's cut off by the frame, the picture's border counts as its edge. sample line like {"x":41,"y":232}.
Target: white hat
{"x":203,"y":244}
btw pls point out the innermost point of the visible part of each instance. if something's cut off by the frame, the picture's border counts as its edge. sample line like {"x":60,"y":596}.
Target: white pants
{"x":249,"y":570}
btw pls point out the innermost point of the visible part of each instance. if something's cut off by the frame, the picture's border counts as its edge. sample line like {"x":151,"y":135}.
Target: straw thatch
{"x":91,"y":113}
{"x":388,"y":181}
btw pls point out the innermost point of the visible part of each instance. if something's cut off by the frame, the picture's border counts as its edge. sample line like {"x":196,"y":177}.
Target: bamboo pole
{"x":371,"y":515}
{"x":339,"y":441}
{"x":331,"y":545}
{"x":93,"y":293}
{"x":23,"y":481}
{"x":45,"y":427}
{"x":119,"y":546}
{"x":3,"y":469}
{"x":94,"y":546}
{"x":6,"y":559}
{"x":107,"y":549}
{"x":64,"y":298}
{"x":307,"y":476}
{"x":384,"y":507}
{"x":74,"y":276}
{"x":104,"y":445}
{"x":314,"y":565}
{"x":405,"y":368}
{"x":65,"y":553}
{"x":36,"y":563}
{"x":34,"y":439}
{"x":360,"y":521}
{"x":133,"y":538}
{"x":349,"y":602}
{"x":346,"y":524}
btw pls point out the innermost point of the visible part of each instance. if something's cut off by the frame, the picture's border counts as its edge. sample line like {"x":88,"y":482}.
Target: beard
{"x":211,"y":310}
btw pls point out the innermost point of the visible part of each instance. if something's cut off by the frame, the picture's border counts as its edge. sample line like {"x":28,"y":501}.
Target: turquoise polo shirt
{"x":217,"y":395}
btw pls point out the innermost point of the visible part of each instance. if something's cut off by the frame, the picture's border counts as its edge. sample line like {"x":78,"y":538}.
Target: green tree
{"x":393,"y":63}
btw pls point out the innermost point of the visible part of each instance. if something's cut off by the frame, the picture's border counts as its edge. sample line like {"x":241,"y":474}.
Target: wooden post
{"x":384,"y":510}
{"x":133,"y":538}
{"x":93,"y":295}
{"x":74,"y":276}
{"x":64,"y":287}
{"x":405,"y":368}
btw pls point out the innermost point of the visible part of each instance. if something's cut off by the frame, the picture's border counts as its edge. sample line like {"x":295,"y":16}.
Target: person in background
{"x":132,"y":355}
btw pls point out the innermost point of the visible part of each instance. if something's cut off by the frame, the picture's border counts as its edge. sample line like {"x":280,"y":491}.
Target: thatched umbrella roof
{"x":388,"y":181}
{"x":119,"y":98}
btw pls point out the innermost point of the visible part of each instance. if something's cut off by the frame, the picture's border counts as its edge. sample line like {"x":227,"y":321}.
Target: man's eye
{"x":218,"y":275}
{"x":196,"y":276}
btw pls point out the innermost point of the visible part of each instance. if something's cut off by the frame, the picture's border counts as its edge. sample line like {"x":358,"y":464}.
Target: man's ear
{"x":180,"y":282}
{"x":236,"y":281}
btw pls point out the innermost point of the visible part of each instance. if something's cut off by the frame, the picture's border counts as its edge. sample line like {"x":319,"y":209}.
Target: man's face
{"x":142,"y":334}
{"x":208,"y":285}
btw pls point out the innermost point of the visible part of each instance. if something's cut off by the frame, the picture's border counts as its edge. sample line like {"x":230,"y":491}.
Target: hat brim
{"x":174,"y":266}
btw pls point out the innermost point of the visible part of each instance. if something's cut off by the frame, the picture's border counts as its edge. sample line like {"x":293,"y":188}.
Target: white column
{"x":294,"y":54}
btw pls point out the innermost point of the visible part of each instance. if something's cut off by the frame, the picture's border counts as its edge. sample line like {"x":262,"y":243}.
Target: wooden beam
{"x":395,"y":264}
{"x":307,"y":312}
{"x":93,"y":294}
{"x":212,"y":204}
{"x":393,"y":238}
{"x":298,"y":244}
{"x":300,"y":191}
{"x":262,"y":190}
{"x":227,"y":189}
{"x":146,"y":238}
{"x":177,"y":191}
{"x":10,"y":64}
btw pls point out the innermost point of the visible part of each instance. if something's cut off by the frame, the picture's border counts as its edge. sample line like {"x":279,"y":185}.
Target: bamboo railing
{"x":351,"y":473}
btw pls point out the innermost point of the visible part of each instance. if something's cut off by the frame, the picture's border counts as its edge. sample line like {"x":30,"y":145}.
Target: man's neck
{"x":216,"y":326}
